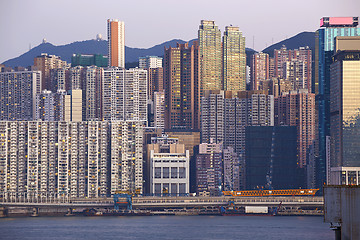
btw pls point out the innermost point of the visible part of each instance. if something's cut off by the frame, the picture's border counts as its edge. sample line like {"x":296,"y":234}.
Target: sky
{"x":24,"y":23}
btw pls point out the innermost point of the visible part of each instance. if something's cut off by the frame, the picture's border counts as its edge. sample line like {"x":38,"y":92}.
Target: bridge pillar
{"x":35,"y":212}
{"x":3,"y":212}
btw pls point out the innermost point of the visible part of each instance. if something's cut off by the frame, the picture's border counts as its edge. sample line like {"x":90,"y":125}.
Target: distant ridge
{"x":94,"y":47}
{"x":300,"y":40}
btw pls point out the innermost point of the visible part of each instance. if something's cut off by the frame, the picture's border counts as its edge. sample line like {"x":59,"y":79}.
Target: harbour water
{"x":166,"y":227}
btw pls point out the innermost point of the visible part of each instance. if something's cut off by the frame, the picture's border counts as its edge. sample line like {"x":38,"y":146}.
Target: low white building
{"x":169,"y":173}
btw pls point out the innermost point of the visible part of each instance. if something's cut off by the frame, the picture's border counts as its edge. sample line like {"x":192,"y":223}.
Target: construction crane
{"x":263,"y":193}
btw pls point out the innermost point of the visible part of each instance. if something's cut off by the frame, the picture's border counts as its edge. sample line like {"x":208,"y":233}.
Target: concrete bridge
{"x":162,"y":202}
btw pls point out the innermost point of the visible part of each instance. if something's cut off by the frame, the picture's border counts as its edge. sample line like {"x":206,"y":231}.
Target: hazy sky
{"x":150,"y":22}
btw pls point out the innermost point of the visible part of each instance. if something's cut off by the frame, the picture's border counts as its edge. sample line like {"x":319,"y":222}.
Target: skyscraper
{"x":297,"y":108}
{"x":210,"y":54}
{"x":124,"y":94}
{"x":331,"y":27}
{"x":45,"y":63}
{"x":116,"y":43}
{"x":18,"y":92}
{"x":209,"y":168}
{"x":271,"y":157}
{"x":181,"y":85}
{"x":126,"y":162}
{"x":234,"y":60}
{"x":259,"y":69}
{"x":344,"y":109}
{"x":93,"y":93}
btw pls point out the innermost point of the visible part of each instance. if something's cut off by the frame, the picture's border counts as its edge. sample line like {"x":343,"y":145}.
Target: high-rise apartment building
{"x":77,"y":77}
{"x":331,"y":27}
{"x":210,"y":56}
{"x":50,"y":106}
{"x":159,"y":109}
{"x":45,"y":63}
{"x":60,"y":79}
{"x":234,"y":60}
{"x":54,"y":158}
{"x":116,"y":43}
{"x":73,"y":105}
{"x":275,"y":86}
{"x":209,"y":169}
{"x":259,"y":70}
{"x":126,"y":162}
{"x":212,"y":116}
{"x":297,"y":108}
{"x":124,"y":95}
{"x":294,"y":72}
{"x":245,"y":108}
{"x":302,"y":54}
{"x":344,"y":109}
{"x":93,"y":93}
{"x":155,"y":81}
{"x":150,"y":62}
{"x":18,"y":92}
{"x":181,"y":84}
{"x":231,"y":166}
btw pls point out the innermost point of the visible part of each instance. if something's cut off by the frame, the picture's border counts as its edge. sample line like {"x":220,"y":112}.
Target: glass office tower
{"x":324,"y":50}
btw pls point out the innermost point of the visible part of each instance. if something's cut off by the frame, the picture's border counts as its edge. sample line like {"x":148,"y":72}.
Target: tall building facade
{"x":159,"y":109}
{"x":50,"y":106}
{"x":18,"y":92}
{"x":212,"y":116}
{"x":344,"y":109}
{"x":231,"y":166}
{"x":210,"y":55}
{"x":259,"y":70}
{"x":155,"y":81}
{"x":126,"y":162}
{"x":302,"y":54}
{"x":150,"y":62}
{"x":54,"y":158}
{"x":294,"y":73}
{"x":297,"y":108}
{"x":331,"y":27}
{"x":271,"y":159}
{"x":45,"y":63}
{"x":116,"y":43}
{"x":124,"y":94}
{"x":93,"y":93}
{"x":209,"y":168}
{"x":181,"y":84}
{"x":234,"y":60}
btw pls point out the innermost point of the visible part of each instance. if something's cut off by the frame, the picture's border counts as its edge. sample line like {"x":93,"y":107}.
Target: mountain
{"x":300,"y":40}
{"x":94,"y":47}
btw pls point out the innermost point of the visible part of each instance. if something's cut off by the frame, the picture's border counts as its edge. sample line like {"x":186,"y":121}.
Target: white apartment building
{"x":124,"y":95}
{"x":150,"y":62}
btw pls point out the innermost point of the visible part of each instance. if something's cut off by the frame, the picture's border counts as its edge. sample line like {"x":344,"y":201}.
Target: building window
{"x":165,"y":172}
{"x":174,"y":172}
{"x":182,"y":188}
{"x":182,"y":173}
{"x":157,"y":172}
